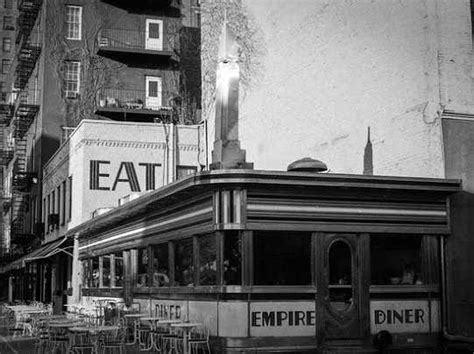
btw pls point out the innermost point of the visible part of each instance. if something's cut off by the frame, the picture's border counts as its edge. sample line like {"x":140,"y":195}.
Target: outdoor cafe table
{"x":186,"y":327}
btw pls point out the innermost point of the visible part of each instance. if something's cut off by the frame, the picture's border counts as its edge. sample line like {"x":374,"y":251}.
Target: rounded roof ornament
{"x":307,"y":164}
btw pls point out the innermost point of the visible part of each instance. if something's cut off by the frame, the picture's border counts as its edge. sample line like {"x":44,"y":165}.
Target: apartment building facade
{"x":104,"y":60}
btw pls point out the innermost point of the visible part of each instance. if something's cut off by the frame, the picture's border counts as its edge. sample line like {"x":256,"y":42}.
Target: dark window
{"x":95,"y":272}
{"x":207,"y":260}
{"x":399,"y":259}
{"x":232,"y":258}
{"x":160,"y":265}
{"x":154,"y":30}
{"x":182,"y":171}
{"x":5,"y":66}
{"x":340,"y":275}
{"x":7,"y":45}
{"x":142,"y":267}
{"x":53,"y":202}
{"x":106,"y":271}
{"x":153,"y":88}
{"x":118,"y":259}
{"x":8,"y":4}
{"x":183,"y":258}
{"x":282,"y":258}
{"x":59,"y":211}
{"x":86,"y":273}
{"x":48,"y":211}
{"x":8,"y":23}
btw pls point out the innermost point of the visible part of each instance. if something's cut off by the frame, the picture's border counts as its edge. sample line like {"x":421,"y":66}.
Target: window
{"x":64,"y":196}
{"x":72,"y":79}
{"x":59,"y":209}
{"x":404,"y":259}
{"x":182,"y":171}
{"x":207,"y":260}
{"x":8,"y":23}
{"x":5,"y":66}
{"x":118,"y":259}
{"x":340,"y":275}
{"x":184,"y":269}
{"x":232,"y":258}
{"x":73,"y":22}
{"x":7,"y":45}
{"x":282,"y":258}
{"x":86,"y":273}
{"x":106,"y":271}
{"x":95,"y":272}
{"x":160,"y":265}
{"x":142,"y":267}
{"x":69,"y":206}
{"x":8,"y":4}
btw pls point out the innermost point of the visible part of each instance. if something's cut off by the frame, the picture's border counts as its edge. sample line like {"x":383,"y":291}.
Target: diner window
{"x":73,"y":22}
{"x":340,"y":275}
{"x":282,"y":258}
{"x":106,"y":271}
{"x":142,"y":267}
{"x":404,"y":259}
{"x":184,"y":269}
{"x":232,"y":258}
{"x":118,"y":259}
{"x":8,"y":4}
{"x":8,"y":23}
{"x":207,"y":260}
{"x":95,"y":272}
{"x":160,"y":265}
{"x":86,"y":273}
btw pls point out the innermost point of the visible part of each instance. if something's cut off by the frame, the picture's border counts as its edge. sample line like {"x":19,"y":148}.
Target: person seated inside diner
{"x":408,"y":277}
{"x":142,"y":280}
{"x":160,"y":278}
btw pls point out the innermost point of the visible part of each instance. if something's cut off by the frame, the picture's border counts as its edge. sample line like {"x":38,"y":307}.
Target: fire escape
{"x":25,"y":109}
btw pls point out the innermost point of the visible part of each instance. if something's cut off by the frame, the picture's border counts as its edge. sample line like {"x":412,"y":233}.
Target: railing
{"x":130,"y":100}
{"x":113,"y":38}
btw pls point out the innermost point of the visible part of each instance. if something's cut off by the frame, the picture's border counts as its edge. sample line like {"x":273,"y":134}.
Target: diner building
{"x":103,"y":164}
{"x":273,"y":260}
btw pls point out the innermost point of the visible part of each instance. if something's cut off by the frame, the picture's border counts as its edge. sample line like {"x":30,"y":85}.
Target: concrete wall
{"x":114,"y":144}
{"x":316,"y":74}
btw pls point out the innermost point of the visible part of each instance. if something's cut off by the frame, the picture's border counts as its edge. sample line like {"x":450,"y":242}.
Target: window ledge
{"x":385,"y":289}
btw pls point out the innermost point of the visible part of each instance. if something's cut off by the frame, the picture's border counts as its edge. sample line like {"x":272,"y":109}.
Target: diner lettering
{"x":401,"y":316}
{"x":173,"y":312}
{"x":126,"y":173}
{"x":283,"y":318}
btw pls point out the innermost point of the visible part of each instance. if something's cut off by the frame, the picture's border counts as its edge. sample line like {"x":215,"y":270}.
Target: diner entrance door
{"x":343,"y":284}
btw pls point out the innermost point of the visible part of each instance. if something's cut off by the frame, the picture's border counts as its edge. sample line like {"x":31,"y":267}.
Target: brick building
{"x":106,"y":60}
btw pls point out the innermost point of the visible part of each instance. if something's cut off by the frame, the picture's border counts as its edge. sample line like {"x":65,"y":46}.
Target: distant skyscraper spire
{"x":368,"y":156}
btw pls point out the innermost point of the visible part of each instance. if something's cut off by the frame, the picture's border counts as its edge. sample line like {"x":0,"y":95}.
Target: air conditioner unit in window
{"x":72,"y":94}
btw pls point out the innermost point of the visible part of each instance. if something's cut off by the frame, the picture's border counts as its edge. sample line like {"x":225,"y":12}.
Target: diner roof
{"x":385,"y":187}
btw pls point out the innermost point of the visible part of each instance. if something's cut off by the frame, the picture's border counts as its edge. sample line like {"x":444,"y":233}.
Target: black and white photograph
{"x":237,"y":176}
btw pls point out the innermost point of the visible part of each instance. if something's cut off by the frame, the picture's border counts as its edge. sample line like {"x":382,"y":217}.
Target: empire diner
{"x":279,"y":261}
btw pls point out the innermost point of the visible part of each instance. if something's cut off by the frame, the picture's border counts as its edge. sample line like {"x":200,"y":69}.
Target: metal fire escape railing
{"x":28,"y":11}
{"x":25,"y":110}
{"x":27,"y":56}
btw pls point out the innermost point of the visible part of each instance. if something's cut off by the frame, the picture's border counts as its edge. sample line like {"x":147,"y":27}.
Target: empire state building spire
{"x":368,"y":156}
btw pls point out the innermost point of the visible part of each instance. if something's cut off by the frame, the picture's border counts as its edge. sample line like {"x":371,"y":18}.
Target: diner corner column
{"x":76,"y":278}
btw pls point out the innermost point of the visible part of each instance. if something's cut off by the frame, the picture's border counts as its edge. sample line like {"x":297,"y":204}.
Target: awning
{"x":49,"y":249}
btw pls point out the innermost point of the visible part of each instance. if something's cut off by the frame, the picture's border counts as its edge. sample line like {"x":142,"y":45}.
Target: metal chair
{"x":199,"y":338}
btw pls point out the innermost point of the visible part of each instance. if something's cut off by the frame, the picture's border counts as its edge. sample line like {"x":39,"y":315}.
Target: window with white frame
{"x":73,"y":22}
{"x":72,"y":78}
